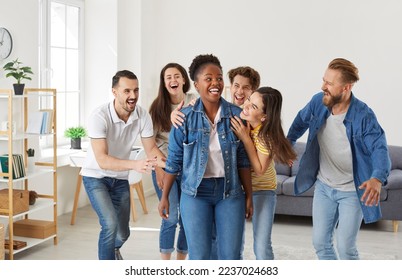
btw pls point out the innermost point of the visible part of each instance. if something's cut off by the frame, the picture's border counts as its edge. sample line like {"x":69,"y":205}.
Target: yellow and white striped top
{"x":268,"y":180}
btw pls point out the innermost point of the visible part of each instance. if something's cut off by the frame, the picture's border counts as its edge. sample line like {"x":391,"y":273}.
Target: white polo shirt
{"x":120,"y":136}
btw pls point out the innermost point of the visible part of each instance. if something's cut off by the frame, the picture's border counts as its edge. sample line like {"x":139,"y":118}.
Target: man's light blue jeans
{"x":209,"y":206}
{"x":110,"y":198}
{"x":333,"y":208}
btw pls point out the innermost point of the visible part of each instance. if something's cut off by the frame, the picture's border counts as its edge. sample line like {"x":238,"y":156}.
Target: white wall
{"x":129,"y":34}
{"x":100,"y":52}
{"x":25,"y":44}
{"x":25,"y":40}
{"x":289,"y":42}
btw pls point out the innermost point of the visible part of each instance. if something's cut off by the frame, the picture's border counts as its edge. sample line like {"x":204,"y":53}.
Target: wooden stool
{"x":76,"y":198}
{"x":140,"y":192}
{"x":135,"y":181}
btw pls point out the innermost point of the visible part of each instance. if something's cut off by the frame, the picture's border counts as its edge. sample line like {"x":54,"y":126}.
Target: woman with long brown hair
{"x":265,"y":143}
{"x":173,"y":90}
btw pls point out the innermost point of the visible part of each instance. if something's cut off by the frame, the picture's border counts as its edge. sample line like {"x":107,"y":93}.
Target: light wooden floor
{"x":291,"y":236}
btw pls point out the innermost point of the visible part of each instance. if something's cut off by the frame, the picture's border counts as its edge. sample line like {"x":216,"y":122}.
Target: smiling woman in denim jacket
{"x":216,"y":178}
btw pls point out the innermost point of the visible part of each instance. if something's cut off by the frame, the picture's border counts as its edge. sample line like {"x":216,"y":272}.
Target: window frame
{"x":45,"y":59}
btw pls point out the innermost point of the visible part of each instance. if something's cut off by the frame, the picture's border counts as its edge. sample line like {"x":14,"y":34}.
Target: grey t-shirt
{"x":336,"y":167}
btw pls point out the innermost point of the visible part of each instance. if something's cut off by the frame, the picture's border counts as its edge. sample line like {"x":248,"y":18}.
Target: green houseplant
{"x":17,"y":71}
{"x":75,"y":133}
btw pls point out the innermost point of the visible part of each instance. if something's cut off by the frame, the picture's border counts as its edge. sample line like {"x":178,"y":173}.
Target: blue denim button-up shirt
{"x":367,"y":141}
{"x":189,"y":148}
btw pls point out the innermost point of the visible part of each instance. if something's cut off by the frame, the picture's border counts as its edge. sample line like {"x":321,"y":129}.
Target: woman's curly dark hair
{"x":200,"y":61}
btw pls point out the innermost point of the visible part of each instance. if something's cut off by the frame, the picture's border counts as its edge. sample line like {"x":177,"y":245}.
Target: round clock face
{"x":6,"y":43}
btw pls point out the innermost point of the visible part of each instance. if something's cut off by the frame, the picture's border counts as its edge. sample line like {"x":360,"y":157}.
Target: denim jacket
{"x":367,"y":141}
{"x":189,"y":148}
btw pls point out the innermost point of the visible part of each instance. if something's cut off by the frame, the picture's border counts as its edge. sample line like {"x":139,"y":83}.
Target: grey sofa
{"x":289,"y":204}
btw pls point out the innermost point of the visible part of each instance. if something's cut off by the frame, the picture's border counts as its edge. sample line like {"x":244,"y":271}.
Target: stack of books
{"x":18,"y":165}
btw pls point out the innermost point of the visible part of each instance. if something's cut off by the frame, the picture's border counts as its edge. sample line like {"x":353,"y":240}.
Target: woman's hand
{"x":163,"y":208}
{"x":160,"y":174}
{"x":241,"y":131}
{"x":177,"y":117}
{"x":145,"y":165}
{"x":249,"y":208}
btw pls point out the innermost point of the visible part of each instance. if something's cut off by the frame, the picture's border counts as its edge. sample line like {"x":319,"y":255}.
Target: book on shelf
{"x":35,"y":122}
{"x":40,"y":122}
{"x":47,"y":122}
{"x":18,"y":165}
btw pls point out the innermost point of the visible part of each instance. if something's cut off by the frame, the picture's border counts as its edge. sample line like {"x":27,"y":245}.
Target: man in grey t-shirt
{"x":346,"y":159}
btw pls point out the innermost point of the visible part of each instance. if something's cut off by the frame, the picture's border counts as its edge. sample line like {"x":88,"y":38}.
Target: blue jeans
{"x":263,"y":218}
{"x":168,"y":227}
{"x":333,"y":208}
{"x":209,"y":206}
{"x":110,"y":198}
{"x":214,"y":244}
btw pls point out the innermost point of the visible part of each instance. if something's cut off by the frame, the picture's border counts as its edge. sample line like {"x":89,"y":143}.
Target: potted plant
{"x":15,"y":69}
{"x":75,"y":133}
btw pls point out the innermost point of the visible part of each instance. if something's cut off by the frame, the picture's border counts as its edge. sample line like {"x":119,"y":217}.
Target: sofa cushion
{"x":288,"y":189}
{"x":279,"y":181}
{"x":299,"y":148}
{"x":394,"y":180}
{"x":395,"y":153}
{"x":383,"y":194}
{"x":282,"y":169}
{"x":394,"y":183}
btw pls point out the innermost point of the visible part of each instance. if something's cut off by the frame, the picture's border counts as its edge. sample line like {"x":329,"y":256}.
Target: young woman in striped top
{"x":265,"y":143}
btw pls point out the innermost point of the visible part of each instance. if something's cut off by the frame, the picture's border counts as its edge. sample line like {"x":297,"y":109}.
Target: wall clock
{"x":6,"y":43}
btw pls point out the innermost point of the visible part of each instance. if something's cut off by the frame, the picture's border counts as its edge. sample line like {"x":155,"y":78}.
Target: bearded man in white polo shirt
{"x":113,"y":129}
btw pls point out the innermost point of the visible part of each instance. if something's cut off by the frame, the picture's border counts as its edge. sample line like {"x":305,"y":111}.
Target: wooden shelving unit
{"x":19,"y":141}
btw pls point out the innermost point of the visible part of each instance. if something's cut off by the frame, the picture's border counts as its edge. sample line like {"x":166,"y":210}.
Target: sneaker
{"x":117,"y":254}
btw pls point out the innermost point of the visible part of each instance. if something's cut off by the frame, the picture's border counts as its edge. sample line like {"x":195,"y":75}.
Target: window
{"x":62,"y":58}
